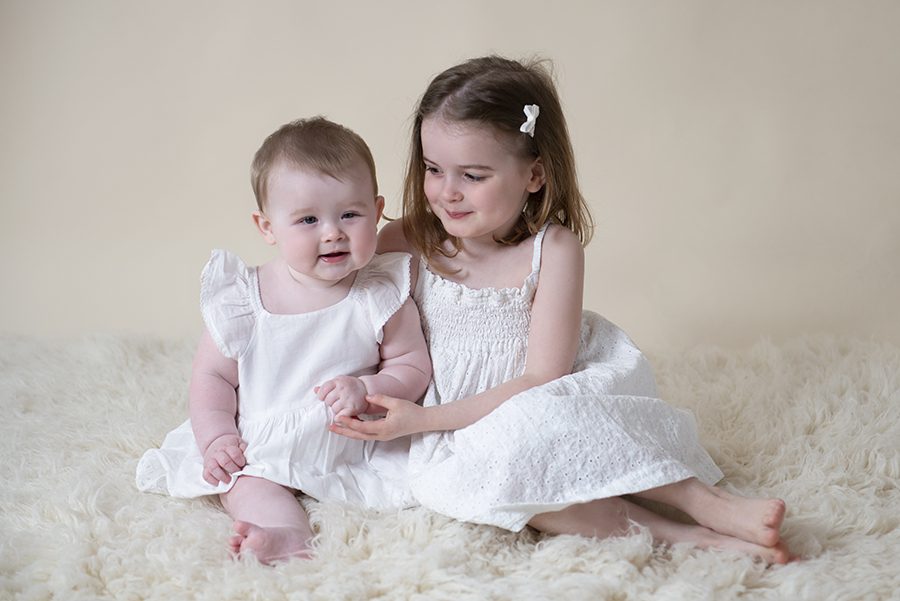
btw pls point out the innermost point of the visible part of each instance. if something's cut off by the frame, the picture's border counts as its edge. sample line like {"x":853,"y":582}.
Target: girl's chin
{"x":457,"y":227}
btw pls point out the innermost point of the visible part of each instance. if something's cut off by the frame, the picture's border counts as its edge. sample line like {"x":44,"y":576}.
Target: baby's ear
{"x":379,"y":208}
{"x":264,"y":226}
{"x":538,"y":177}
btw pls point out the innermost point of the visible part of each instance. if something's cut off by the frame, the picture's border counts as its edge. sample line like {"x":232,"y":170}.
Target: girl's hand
{"x":223,"y":457}
{"x":345,"y":395}
{"x":403,"y":418}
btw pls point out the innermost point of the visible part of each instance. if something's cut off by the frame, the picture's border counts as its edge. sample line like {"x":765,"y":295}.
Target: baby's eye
{"x":308,"y":220}
{"x":349,"y":215}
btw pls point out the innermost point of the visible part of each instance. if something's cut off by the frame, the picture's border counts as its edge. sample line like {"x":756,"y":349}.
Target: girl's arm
{"x":213,"y":409}
{"x":552,"y":345}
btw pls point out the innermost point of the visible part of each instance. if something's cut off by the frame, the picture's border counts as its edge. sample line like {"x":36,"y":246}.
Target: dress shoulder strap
{"x":538,"y":245}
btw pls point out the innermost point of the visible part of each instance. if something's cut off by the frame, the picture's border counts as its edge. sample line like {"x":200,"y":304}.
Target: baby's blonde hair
{"x":316,"y":144}
{"x":492,"y":91}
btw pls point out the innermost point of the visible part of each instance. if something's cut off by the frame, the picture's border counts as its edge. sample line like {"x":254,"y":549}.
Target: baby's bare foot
{"x":270,"y":544}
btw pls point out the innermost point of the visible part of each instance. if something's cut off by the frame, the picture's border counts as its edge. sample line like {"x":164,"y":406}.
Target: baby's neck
{"x":281,"y":294}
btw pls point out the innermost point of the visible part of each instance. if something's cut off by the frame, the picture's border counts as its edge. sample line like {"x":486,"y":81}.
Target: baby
{"x":291,"y":344}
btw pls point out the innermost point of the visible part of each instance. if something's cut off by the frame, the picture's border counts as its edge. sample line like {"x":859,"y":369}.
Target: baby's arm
{"x":404,"y":371}
{"x":213,"y":409}
{"x":405,"y":368}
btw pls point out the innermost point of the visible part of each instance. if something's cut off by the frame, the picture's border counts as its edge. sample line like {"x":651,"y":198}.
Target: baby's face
{"x":324,"y":228}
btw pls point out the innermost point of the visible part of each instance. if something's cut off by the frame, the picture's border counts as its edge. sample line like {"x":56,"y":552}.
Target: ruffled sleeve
{"x":382,"y":287}
{"x":226,"y":302}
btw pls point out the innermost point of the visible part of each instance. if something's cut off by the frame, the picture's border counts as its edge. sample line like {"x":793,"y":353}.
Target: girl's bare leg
{"x":268,"y":520}
{"x":613,"y":517}
{"x":753,"y":520}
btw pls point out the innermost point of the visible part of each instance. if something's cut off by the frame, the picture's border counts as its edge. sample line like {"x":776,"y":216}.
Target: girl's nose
{"x":450,"y":190}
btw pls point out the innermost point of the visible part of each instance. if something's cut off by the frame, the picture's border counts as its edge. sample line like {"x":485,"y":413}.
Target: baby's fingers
{"x":334,"y":400}
{"x":226,"y":464}
{"x":215,"y":474}
{"x":235,"y":460}
{"x":323,"y":390}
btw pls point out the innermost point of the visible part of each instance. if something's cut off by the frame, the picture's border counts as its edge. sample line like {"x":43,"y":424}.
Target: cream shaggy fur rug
{"x":815,"y":421}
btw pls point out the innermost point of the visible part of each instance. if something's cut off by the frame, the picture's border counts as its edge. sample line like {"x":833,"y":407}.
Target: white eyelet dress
{"x":596,"y":433}
{"x":280,"y":359}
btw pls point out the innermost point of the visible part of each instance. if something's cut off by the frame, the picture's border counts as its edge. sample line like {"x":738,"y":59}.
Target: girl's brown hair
{"x":493,"y":91}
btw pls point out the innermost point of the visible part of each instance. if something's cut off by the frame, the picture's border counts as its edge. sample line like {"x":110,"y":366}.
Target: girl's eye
{"x":309,"y":220}
{"x":473,"y":178}
{"x":431,"y":169}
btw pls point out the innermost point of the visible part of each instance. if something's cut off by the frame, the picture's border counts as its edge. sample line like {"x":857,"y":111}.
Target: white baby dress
{"x":598,"y":432}
{"x":280,"y":359}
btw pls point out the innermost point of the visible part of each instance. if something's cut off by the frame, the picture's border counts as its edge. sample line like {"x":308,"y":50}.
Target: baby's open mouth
{"x":331,"y":257}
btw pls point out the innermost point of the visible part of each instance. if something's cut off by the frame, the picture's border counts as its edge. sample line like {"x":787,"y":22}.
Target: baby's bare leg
{"x":268,"y":520}
{"x":613,"y":517}
{"x":753,"y":520}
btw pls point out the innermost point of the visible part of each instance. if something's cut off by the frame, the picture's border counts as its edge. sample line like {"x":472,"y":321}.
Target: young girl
{"x":538,"y":414}
{"x":292,"y":342}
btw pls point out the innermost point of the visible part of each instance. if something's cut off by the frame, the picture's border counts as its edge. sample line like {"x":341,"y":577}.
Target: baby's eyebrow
{"x":303,"y":211}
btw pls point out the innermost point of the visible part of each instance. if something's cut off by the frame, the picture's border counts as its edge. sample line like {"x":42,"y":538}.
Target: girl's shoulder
{"x":559,"y":259}
{"x":392,"y":239}
{"x":561,"y":244}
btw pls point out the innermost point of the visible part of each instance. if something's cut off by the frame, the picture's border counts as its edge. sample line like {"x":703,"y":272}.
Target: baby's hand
{"x":345,"y":395}
{"x":223,"y":457}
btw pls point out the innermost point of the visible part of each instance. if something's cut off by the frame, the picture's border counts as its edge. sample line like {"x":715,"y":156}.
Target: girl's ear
{"x":265,"y":227}
{"x":538,"y":177}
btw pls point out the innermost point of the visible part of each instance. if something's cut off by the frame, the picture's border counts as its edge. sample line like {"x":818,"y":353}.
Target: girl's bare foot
{"x":270,"y":544}
{"x":614,"y":517}
{"x":705,"y":538}
{"x":753,"y":520}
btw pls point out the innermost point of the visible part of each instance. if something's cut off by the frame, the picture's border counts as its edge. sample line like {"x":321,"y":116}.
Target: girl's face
{"x":324,"y":228}
{"x":474,"y":183}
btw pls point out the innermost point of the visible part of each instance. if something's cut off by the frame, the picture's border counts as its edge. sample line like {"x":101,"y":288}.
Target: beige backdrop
{"x":742,"y":158}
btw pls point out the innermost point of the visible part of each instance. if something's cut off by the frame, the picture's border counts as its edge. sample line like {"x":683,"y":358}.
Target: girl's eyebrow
{"x":470,"y":166}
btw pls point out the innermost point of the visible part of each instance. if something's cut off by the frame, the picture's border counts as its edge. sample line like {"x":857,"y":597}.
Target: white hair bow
{"x":531,"y":114}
